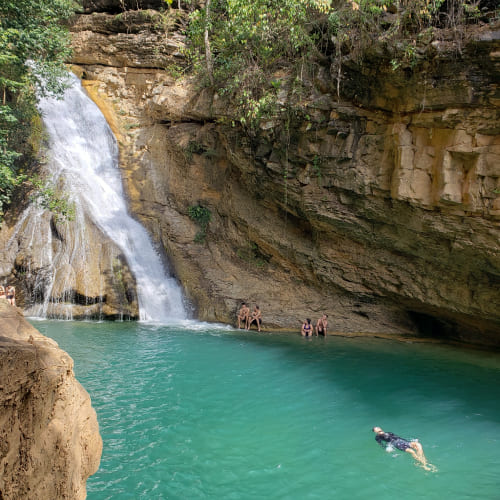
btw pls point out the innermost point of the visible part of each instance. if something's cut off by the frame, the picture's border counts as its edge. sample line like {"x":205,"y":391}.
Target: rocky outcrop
{"x":65,"y":269}
{"x":136,"y":39}
{"x":117,"y":6}
{"x":50,"y":442}
{"x":380,"y":208}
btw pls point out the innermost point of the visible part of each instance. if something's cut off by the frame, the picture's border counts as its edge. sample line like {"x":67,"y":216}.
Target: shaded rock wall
{"x":117,"y":6}
{"x":381,"y":208}
{"x":50,"y":442}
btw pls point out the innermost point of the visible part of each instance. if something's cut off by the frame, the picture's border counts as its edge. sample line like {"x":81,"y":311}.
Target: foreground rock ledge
{"x":49,"y":435}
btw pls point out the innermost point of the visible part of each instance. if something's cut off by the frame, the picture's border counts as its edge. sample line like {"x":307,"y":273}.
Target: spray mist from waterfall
{"x":83,"y":157}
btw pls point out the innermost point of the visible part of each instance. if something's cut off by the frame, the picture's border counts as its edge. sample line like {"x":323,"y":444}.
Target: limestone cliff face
{"x":50,"y":442}
{"x":381,"y":208}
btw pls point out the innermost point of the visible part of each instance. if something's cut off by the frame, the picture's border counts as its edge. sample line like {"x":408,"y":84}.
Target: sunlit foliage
{"x":33,"y":48}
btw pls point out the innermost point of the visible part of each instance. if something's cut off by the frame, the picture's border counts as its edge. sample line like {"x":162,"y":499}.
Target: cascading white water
{"x":84,"y":153}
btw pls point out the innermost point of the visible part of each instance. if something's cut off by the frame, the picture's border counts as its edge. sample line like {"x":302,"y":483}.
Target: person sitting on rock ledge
{"x":322,"y":325}
{"x":243,"y":315}
{"x":256,"y":318}
{"x":307,"y":328}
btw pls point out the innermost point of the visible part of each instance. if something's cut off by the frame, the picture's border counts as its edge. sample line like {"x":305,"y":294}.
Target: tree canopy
{"x":240,"y":45}
{"x":34,"y":44}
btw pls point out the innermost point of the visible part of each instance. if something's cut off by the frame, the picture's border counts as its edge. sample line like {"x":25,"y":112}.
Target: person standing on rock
{"x":11,"y":295}
{"x":2,"y":293}
{"x":322,"y":325}
{"x":243,"y":315}
{"x":256,"y":318}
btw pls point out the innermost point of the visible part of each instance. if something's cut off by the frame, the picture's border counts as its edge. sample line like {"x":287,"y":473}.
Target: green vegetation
{"x":175,"y":71}
{"x":247,"y":49}
{"x":197,"y":148}
{"x":193,"y":147}
{"x":399,"y":26}
{"x":47,"y":196}
{"x":33,"y":48}
{"x":316,"y":167}
{"x":202,"y":217}
{"x":253,"y":255}
{"x":247,"y":43}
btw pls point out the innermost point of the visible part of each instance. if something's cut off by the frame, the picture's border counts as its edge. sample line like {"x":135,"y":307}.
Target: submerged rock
{"x":49,"y":435}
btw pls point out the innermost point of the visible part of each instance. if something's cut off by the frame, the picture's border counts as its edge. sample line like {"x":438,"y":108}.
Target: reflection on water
{"x":214,"y":413}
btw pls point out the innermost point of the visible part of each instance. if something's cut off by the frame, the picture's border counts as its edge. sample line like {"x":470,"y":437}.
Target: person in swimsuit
{"x":307,"y":329}
{"x":11,"y":295}
{"x":255,"y":318}
{"x":243,"y":315}
{"x":2,"y":293}
{"x":322,"y":325}
{"x":413,"y":447}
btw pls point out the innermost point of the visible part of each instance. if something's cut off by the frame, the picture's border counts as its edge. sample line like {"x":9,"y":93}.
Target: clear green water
{"x":214,"y":413}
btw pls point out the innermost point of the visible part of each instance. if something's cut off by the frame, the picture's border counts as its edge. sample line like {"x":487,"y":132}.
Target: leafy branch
{"x":201,"y":216}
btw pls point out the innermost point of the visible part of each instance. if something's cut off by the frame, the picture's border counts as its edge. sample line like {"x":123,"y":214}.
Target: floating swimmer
{"x":413,"y":447}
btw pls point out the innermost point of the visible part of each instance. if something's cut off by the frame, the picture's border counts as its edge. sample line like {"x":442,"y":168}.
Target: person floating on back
{"x":307,"y":328}
{"x":243,"y":315}
{"x":256,"y":318}
{"x":322,"y":325}
{"x":413,"y":447}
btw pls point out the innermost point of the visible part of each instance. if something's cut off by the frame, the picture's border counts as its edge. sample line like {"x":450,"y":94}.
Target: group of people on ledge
{"x":321,"y":327}
{"x":8,"y":293}
{"x":247,"y":318}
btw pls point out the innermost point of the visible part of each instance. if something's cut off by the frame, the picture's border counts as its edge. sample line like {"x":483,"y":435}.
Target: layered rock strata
{"x":49,"y":436}
{"x":381,"y":208}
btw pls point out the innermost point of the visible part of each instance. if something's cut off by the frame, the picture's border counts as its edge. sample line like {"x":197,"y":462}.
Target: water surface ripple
{"x":219,"y":414}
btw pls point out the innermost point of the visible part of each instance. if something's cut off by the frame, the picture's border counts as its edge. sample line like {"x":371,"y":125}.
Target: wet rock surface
{"x":65,"y":270}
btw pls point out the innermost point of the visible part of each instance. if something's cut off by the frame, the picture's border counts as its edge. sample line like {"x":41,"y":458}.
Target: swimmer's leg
{"x":417,"y":452}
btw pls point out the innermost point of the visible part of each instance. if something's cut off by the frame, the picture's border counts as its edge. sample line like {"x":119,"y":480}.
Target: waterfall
{"x":83,"y":157}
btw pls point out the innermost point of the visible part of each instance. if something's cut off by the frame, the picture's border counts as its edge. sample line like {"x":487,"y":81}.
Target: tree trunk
{"x":208,"y":52}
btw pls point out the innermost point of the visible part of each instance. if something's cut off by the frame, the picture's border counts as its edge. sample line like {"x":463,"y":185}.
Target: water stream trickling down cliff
{"x":83,"y":157}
